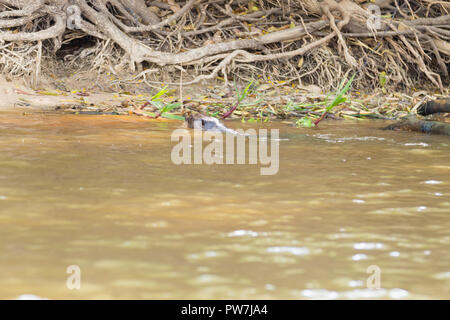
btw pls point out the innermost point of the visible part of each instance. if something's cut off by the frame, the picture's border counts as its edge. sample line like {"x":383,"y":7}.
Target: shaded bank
{"x":396,"y":44}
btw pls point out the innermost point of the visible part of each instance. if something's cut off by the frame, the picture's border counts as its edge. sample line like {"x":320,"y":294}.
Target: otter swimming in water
{"x":198,"y":121}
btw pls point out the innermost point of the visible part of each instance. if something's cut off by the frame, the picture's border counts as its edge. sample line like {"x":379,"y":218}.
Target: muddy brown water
{"x":101,"y":193}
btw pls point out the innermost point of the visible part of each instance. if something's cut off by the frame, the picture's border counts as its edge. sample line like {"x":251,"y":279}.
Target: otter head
{"x":193,"y":120}
{"x":197,"y":121}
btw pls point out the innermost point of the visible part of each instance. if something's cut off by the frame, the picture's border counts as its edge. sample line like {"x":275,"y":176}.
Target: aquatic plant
{"x":338,"y":99}
{"x":249,"y":89}
{"x":163,"y":108}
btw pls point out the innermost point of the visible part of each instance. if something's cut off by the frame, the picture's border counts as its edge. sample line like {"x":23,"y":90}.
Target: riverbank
{"x":268,"y":101}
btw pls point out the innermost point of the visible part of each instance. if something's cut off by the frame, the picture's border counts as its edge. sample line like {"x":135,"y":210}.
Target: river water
{"x":350,"y":203}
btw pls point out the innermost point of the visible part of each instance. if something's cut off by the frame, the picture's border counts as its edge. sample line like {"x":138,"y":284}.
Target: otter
{"x":197,"y":121}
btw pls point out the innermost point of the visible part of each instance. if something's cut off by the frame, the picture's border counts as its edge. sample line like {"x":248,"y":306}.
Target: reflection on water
{"x":101,"y":193}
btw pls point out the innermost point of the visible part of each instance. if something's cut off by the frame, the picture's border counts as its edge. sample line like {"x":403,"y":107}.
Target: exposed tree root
{"x":310,"y":40}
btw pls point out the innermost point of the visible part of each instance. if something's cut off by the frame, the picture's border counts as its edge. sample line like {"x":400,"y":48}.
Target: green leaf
{"x":160,"y":93}
{"x":172,"y":116}
{"x":149,"y":114}
{"x":340,"y":96}
{"x":305,"y":122}
{"x":170,"y":107}
{"x":382,"y":78}
{"x":248,"y":90}
{"x":157,"y":104}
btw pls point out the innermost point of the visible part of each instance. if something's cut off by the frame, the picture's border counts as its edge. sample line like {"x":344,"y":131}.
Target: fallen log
{"x":434,"y":106}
